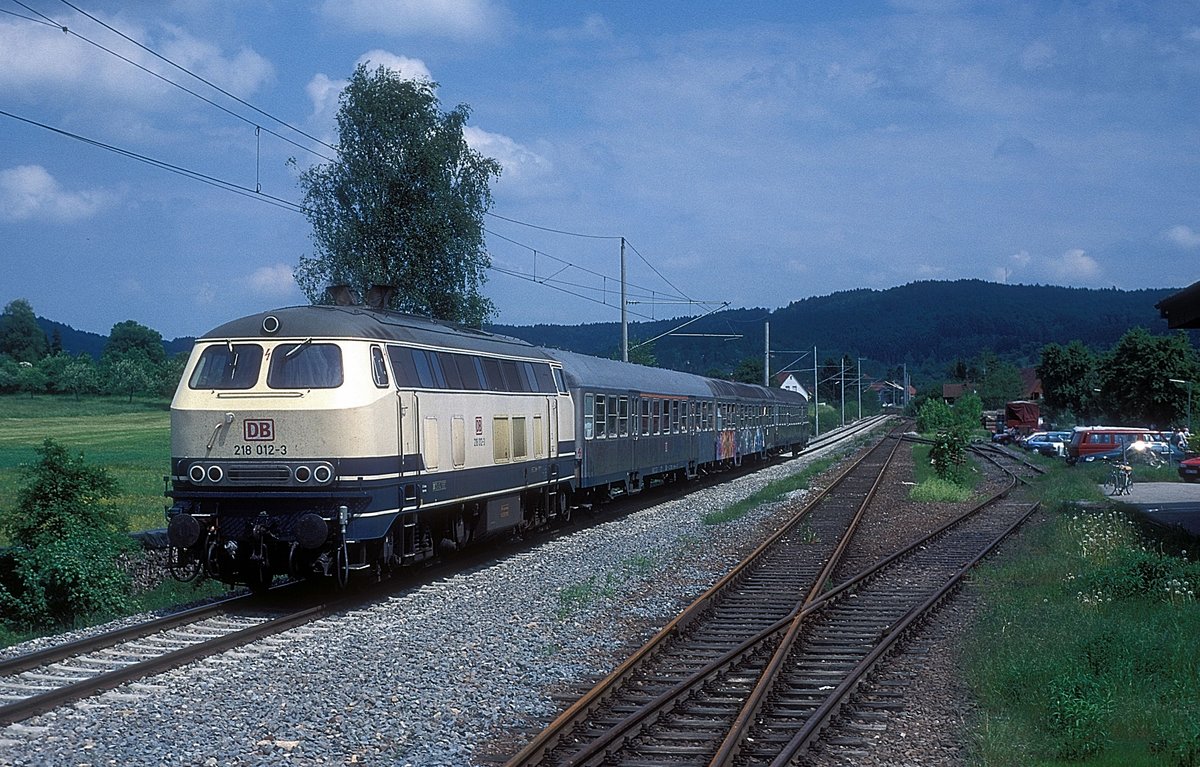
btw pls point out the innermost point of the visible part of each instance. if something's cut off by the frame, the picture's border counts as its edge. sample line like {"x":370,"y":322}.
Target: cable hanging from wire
{"x":177,"y":169}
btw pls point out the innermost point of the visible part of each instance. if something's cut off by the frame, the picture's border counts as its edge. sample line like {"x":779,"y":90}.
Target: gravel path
{"x":425,"y":677}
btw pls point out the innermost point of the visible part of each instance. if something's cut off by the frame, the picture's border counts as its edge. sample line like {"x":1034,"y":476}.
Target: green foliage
{"x":938,"y":490}
{"x":1088,"y":649}
{"x":66,"y":535}
{"x":1134,"y":379}
{"x":403,"y":204}
{"x":933,"y":416}
{"x":1069,"y":375}
{"x":131,"y":440}
{"x":130,"y":337}
{"x":749,"y":370}
{"x":948,"y":454}
{"x":21,"y":338}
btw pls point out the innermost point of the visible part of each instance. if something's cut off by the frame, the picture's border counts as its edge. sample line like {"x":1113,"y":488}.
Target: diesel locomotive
{"x":323,"y":440}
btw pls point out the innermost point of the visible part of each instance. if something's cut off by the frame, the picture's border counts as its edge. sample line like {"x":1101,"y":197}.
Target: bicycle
{"x":1120,"y":480}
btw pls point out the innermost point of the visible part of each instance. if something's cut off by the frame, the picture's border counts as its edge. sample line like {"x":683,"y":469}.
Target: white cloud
{"x":324,"y":92}
{"x":274,"y":281}
{"x":1021,"y":258}
{"x":1076,"y":266}
{"x":41,"y":60}
{"x":29,"y":192}
{"x":1183,"y":236}
{"x":457,"y":19}
{"x":520,"y":163}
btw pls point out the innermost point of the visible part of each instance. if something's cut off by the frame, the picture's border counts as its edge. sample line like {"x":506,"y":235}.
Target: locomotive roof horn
{"x":379,"y":296}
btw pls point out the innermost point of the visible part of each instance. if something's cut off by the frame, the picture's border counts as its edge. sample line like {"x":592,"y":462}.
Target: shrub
{"x":66,"y":537}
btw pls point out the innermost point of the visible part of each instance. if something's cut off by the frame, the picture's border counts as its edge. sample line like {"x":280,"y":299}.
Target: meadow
{"x":130,"y":440}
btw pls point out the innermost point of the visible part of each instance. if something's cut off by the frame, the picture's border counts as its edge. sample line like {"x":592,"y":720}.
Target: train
{"x":323,"y":440}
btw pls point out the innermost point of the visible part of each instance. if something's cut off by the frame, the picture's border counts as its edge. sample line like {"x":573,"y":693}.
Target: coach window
{"x":588,"y":429}
{"x":656,"y":416}
{"x":305,"y":366}
{"x":600,"y":422}
{"x":227,"y":366}
{"x":612,"y":415}
{"x":645,"y":416}
{"x":674,"y":416}
{"x":623,"y":416}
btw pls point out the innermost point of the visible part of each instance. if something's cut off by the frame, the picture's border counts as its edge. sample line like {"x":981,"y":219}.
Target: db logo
{"x":262,"y":430}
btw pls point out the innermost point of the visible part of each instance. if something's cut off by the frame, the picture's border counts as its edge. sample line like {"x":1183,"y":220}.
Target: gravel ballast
{"x":426,"y":677}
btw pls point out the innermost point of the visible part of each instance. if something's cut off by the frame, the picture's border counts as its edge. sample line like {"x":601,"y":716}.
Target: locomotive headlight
{"x":322,"y":474}
{"x":196,"y":473}
{"x":302,"y":473}
{"x":215,"y":474}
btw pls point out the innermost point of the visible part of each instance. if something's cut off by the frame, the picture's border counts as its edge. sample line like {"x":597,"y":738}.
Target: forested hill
{"x":924,"y":324}
{"x":927,"y":325}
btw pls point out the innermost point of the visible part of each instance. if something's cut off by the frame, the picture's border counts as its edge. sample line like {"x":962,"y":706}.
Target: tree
{"x":129,"y":336}
{"x":749,"y":370}
{"x":131,"y":374}
{"x":1134,"y":378}
{"x":66,"y":535}
{"x":80,"y":377}
{"x":402,"y":204}
{"x":1068,"y":376}
{"x":20,"y":335}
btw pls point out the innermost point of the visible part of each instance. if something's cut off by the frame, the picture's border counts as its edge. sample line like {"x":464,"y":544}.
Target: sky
{"x":752,"y":153}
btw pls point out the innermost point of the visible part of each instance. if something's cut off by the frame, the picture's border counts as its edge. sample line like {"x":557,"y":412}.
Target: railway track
{"x":56,"y":676}
{"x":759,"y":689}
{"x":37,"y":682}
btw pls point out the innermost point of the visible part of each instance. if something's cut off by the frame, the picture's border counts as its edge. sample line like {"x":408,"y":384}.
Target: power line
{"x":523,"y":276}
{"x":177,"y":169}
{"x":555,"y":231}
{"x":190,"y":73}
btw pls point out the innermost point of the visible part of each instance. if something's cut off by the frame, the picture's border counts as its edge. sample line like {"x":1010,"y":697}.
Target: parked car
{"x":1189,"y":469}
{"x":1089,"y":443}
{"x":1051,"y":443}
{"x":1006,"y":437}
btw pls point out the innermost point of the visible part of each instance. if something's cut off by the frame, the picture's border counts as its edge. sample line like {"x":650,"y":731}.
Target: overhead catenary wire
{"x":177,"y":169}
{"x":66,"y":30}
{"x":202,"y":79}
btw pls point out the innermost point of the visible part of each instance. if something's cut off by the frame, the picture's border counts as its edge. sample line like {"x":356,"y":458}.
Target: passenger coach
{"x":327,"y":439}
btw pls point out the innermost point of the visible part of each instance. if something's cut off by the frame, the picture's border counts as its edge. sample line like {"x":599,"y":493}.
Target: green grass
{"x":930,"y":488}
{"x":130,"y":440}
{"x":771,"y":493}
{"x":1088,"y":648}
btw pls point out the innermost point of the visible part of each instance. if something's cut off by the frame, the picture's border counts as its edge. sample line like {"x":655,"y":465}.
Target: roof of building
{"x":1182,"y":309}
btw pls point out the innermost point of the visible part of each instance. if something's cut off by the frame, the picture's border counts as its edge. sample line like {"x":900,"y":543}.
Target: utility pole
{"x":624,"y":316}
{"x":767,"y":357}
{"x":843,"y":377}
{"x":859,"y":387}
{"x":816,"y":397}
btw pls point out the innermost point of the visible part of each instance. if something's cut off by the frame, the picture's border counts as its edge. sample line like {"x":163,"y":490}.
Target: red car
{"x":1189,"y":469}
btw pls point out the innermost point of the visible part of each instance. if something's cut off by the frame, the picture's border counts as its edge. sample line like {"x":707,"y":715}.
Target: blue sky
{"x":756,"y":153}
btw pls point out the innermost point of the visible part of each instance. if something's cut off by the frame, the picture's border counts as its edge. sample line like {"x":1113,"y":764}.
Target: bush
{"x":66,"y":537}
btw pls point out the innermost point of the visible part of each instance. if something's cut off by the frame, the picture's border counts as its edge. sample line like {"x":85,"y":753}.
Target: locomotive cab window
{"x":378,"y":368}
{"x":227,"y":366}
{"x":305,"y":366}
